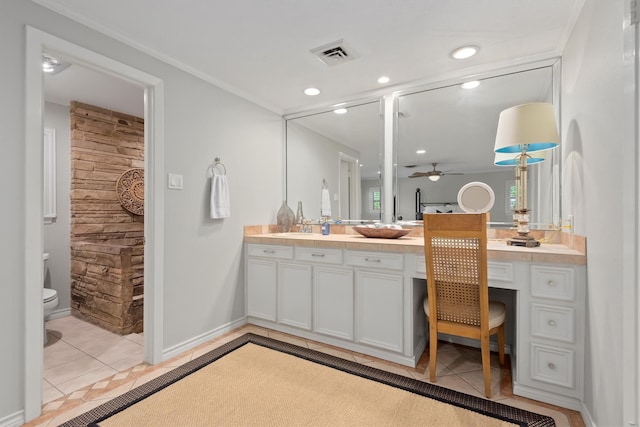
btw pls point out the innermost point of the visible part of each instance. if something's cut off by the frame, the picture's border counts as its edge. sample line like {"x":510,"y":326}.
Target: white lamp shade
{"x":529,"y":126}
{"x":434,"y":178}
{"x":513,"y":159}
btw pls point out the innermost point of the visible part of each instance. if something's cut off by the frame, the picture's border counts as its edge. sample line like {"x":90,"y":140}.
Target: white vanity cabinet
{"x":379,"y":296}
{"x":262,"y":279}
{"x":333,"y":302}
{"x":357,"y":300}
{"x":315,"y":293}
{"x":370,"y":301}
{"x":294,"y":295}
{"x":551,"y":334}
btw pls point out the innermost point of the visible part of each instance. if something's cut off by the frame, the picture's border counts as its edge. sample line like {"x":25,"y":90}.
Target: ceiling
{"x":261,"y":50}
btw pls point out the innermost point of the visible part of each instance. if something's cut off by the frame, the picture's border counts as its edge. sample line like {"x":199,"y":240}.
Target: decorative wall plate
{"x":130,"y":190}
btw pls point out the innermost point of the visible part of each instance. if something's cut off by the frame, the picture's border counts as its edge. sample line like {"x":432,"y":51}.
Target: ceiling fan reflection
{"x":433,"y":175}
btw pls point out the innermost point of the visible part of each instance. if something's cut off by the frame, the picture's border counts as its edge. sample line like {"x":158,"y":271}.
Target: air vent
{"x":334,"y":53}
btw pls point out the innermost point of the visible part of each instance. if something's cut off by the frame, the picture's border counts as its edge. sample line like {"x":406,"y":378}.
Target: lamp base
{"x":523,"y":240}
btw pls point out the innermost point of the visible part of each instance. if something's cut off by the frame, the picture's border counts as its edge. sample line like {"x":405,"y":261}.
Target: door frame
{"x":37,"y":42}
{"x":353,"y":182}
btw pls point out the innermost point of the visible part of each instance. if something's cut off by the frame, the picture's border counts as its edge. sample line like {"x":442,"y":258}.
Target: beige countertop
{"x":497,"y":249}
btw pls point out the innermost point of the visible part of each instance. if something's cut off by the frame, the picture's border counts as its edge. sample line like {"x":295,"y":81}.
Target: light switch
{"x":175,"y":181}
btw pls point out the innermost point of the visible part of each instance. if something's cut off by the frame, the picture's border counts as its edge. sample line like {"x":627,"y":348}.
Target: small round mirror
{"x":476,"y":197}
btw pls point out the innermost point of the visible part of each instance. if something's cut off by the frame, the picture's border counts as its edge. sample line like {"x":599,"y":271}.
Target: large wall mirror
{"x":455,"y":127}
{"x":452,"y":130}
{"x":342,"y":148}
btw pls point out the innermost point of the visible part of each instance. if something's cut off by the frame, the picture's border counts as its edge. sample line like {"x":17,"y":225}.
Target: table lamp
{"x":522,"y":130}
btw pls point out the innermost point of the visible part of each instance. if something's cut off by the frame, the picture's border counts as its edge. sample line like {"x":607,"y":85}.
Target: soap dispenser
{"x":325,"y":226}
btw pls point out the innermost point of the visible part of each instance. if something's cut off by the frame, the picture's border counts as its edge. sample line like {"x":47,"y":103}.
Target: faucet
{"x":306,"y":226}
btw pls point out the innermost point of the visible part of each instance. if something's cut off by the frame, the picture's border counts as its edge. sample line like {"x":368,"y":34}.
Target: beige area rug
{"x":258,"y":381}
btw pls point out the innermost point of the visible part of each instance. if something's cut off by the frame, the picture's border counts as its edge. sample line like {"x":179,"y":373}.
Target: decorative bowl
{"x":382,"y":233}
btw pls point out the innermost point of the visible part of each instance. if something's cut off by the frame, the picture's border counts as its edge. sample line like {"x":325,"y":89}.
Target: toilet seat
{"x":48,"y":295}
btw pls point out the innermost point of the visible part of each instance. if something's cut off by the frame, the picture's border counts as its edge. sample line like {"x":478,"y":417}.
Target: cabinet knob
{"x":551,"y":284}
{"x":551,"y":365}
{"x":552,"y":322}
{"x":372,"y":259}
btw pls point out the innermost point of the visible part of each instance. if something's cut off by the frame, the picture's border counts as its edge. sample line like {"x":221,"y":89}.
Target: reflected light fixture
{"x":524,"y":129}
{"x":53,"y":66}
{"x":470,"y":85}
{"x":421,"y":151}
{"x":340,"y":111}
{"x":311,"y":91}
{"x":464,"y":52}
{"x":383,"y":80}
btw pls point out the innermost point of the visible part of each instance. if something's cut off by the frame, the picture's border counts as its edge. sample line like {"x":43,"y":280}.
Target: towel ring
{"x":216,"y":163}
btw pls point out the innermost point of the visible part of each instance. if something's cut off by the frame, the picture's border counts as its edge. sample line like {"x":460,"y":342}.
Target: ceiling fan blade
{"x":418,"y":174}
{"x":452,"y":173}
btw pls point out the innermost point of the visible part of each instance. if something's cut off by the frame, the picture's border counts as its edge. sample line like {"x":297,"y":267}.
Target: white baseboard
{"x":201,"y":339}
{"x":13,"y":420}
{"x":586,"y":417}
{"x":60,"y":313}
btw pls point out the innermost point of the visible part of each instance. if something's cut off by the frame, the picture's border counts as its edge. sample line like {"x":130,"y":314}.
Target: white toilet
{"x":49,"y":297}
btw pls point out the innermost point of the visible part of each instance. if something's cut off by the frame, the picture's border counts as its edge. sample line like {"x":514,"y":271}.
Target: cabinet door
{"x":333,"y":302}
{"x":294,"y":295}
{"x":261,"y":288}
{"x":379,"y":309}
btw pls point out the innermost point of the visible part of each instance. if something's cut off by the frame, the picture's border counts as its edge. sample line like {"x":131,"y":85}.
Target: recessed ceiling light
{"x":340,"y":111}
{"x":470,"y":85}
{"x":421,"y":151}
{"x":383,"y":80}
{"x":464,"y":52}
{"x":312,"y":91}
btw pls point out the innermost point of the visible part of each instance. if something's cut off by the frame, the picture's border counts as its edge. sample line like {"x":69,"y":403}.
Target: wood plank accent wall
{"x":104,"y":144}
{"x":107,"y":252}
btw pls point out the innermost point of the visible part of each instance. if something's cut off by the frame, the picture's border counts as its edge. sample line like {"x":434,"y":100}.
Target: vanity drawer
{"x":552,"y":365}
{"x":553,"y":322}
{"x":553,"y":282}
{"x":375,"y":260}
{"x":270,"y":251}
{"x":500,"y":271}
{"x":324,"y":256}
{"x":496,"y":271}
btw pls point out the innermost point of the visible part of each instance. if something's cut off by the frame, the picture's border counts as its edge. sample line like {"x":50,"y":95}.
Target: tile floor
{"x":86,"y":366}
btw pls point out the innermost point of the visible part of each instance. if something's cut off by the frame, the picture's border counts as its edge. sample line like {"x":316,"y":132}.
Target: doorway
{"x":37,"y":43}
{"x":348,"y":188}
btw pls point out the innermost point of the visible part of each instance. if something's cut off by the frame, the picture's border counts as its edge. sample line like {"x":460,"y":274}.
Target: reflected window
{"x":375,"y":200}
{"x":511,"y":196}
{"x":49,"y":175}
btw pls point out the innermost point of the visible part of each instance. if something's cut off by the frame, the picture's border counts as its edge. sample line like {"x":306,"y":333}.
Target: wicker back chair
{"x":457,"y":301}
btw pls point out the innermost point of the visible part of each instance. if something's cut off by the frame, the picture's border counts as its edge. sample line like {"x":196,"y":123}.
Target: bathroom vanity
{"x":365,"y":295}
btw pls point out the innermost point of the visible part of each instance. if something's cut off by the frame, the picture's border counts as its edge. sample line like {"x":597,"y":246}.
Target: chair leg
{"x":433,"y":352}
{"x":501,"y":344}
{"x":486,"y":364}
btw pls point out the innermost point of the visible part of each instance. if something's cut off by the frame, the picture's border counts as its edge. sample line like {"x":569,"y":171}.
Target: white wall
{"x":203,"y":268}
{"x":57,"y":239}
{"x":311,"y":158}
{"x":598,"y":155}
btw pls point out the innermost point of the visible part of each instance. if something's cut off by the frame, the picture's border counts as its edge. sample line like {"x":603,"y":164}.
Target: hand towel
{"x":220,"y":206}
{"x":325,"y":206}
